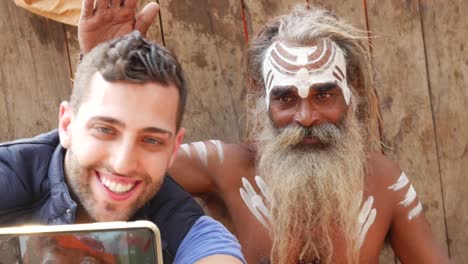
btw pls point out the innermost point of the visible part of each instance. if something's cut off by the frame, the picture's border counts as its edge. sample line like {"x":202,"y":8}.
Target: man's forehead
{"x":321,"y":61}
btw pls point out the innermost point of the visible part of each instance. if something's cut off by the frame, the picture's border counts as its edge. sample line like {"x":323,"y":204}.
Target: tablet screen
{"x":84,"y":247}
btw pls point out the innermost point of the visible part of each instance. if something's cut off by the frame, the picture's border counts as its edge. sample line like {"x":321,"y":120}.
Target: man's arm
{"x":195,"y":165}
{"x":208,"y":241}
{"x":410,"y":234}
{"x":111,"y":19}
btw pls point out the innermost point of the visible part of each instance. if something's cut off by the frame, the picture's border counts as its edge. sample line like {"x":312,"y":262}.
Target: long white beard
{"x":315,"y":190}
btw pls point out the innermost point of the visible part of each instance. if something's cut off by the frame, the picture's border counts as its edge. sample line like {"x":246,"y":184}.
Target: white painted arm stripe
{"x":409,"y":197}
{"x":366,"y":226}
{"x":415,"y":211}
{"x":263,"y":188}
{"x":255,"y":203}
{"x":186,"y":149}
{"x":248,"y":187}
{"x":401,"y":182}
{"x":257,"y":215}
{"x":366,"y":208}
{"x":360,"y":196}
{"x":200,"y":147}
{"x":219,"y":148}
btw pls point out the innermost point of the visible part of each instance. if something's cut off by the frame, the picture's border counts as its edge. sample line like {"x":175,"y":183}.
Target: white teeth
{"x":116,"y":187}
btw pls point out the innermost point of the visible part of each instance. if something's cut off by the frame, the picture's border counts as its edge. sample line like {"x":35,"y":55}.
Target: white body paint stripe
{"x":186,"y":149}
{"x":415,"y":211}
{"x":366,"y":208}
{"x":201,"y":151}
{"x":255,"y":203}
{"x":401,"y":182}
{"x":219,"y":148}
{"x":367,"y":225}
{"x":409,"y":197}
{"x":263,"y":188}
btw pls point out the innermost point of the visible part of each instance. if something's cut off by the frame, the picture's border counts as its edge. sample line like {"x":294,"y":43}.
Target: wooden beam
{"x":208,"y":39}
{"x":445,"y":37}
{"x":402,"y":83}
{"x":34,"y":76}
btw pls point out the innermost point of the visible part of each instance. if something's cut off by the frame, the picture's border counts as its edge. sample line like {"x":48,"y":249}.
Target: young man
{"x":117,"y":136}
{"x":326,"y":197}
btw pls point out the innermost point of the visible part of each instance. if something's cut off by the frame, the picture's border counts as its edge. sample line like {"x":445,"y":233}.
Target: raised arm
{"x":109,"y":19}
{"x":410,"y":233}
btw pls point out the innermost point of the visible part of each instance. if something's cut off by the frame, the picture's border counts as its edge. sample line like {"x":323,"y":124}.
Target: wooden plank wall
{"x":418,"y":53}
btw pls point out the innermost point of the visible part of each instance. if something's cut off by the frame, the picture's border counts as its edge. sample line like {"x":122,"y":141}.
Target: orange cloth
{"x":65,"y":11}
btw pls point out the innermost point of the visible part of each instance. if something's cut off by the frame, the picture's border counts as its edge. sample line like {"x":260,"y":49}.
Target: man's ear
{"x":178,"y":140}
{"x":65,"y":121}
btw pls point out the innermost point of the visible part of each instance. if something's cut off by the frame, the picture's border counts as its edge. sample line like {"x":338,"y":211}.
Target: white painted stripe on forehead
{"x":401,"y":182}
{"x":201,"y":151}
{"x":366,"y":227}
{"x":415,"y":211}
{"x":219,"y":149}
{"x":186,"y":149}
{"x":303,"y":79}
{"x":409,"y":197}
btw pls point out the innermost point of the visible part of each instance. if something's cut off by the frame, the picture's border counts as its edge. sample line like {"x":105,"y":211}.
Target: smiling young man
{"x":117,"y":137}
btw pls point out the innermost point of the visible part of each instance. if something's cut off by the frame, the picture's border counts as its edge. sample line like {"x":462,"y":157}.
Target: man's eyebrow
{"x":324,"y":87}
{"x":279,"y":91}
{"x":157,"y":130}
{"x":106,"y":119}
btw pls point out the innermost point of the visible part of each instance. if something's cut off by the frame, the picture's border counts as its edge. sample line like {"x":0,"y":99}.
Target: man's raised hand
{"x":109,"y":19}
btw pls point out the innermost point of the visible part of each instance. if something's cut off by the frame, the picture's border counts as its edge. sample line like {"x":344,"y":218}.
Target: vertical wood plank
{"x":445,"y":33}
{"x":208,"y":39}
{"x":154,"y":34}
{"x":34,"y":76}
{"x":352,"y":11}
{"x":259,"y":12}
{"x":403,"y":88}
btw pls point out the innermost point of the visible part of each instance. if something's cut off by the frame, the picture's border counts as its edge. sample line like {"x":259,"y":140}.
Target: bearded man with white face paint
{"x":308,"y":188}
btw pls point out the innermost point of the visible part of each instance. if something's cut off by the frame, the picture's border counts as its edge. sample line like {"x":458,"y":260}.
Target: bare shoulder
{"x":239,"y":162}
{"x":381,"y":170}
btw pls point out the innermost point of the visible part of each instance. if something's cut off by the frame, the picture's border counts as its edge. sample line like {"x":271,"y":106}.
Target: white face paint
{"x":303,"y":67}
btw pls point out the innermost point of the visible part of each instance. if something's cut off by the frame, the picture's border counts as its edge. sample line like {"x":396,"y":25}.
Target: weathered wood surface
{"x":405,"y":102}
{"x":34,"y":73}
{"x":446,"y":34}
{"x":419,"y":51}
{"x":208,"y":39}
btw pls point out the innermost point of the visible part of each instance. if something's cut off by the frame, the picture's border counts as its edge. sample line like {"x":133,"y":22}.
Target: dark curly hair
{"x":130,"y":58}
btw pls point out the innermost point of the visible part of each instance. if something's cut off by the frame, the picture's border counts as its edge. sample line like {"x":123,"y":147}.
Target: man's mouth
{"x":116,"y":184}
{"x":116,"y":187}
{"x":310,"y":140}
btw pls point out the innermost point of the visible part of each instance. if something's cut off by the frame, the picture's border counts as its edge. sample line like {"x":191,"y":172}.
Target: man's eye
{"x":285,"y":99}
{"x":105,"y":130}
{"x":152,"y":141}
{"x":323,"y":96}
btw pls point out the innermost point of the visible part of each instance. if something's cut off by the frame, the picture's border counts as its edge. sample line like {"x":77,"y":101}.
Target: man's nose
{"x":306,"y":114}
{"x":125,"y":158}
